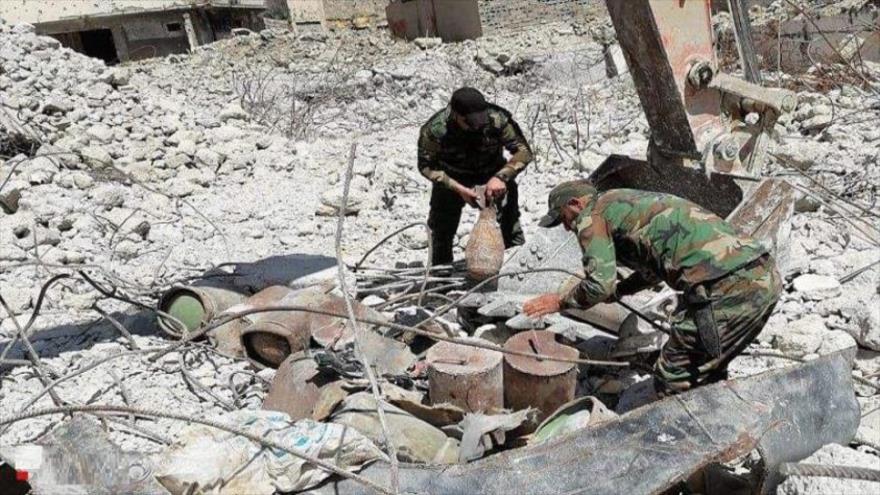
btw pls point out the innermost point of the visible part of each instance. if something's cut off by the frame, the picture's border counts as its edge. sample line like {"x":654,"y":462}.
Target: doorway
{"x":99,"y":43}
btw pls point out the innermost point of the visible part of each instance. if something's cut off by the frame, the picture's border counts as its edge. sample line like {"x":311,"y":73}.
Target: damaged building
{"x":122,"y":30}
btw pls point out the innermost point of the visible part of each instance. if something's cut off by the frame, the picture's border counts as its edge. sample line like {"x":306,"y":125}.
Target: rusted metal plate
{"x":539,"y":342}
{"x":295,"y":388}
{"x":766,"y":216}
{"x":789,"y":412}
{"x":541,"y":384}
{"x":465,"y":376}
{"x":718,"y":193}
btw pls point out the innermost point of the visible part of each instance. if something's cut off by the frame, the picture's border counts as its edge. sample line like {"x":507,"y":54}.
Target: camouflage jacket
{"x":660,"y":237}
{"x":448,"y":153}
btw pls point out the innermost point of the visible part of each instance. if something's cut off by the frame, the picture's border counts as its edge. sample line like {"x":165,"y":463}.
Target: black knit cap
{"x":469,"y":103}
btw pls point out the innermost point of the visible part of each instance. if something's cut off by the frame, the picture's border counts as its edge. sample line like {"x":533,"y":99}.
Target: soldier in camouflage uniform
{"x":729,"y":282}
{"x":462,"y":146}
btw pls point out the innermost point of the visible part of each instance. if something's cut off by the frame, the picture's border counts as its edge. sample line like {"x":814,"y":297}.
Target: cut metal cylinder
{"x":464,"y":376}
{"x":227,"y":337}
{"x":193,"y":306}
{"x":540,"y":384}
{"x":275,"y":335}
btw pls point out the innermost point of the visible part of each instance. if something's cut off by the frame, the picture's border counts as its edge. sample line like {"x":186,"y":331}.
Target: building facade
{"x":122,"y":30}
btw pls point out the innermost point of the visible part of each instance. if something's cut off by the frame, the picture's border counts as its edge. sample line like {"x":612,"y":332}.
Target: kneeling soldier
{"x":729,"y":281}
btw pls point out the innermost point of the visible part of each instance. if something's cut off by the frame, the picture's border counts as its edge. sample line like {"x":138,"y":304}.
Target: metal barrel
{"x":193,"y":306}
{"x":464,"y":376}
{"x":541,"y":384}
{"x":227,"y":337}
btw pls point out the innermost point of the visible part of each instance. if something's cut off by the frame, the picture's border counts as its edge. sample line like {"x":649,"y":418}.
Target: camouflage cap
{"x":562,"y":194}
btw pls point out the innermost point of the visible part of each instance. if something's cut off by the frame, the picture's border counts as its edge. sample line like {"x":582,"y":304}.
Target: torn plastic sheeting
{"x":79,"y":459}
{"x":208,"y":460}
{"x":481,"y":432}
{"x":582,"y":412}
{"x":415,"y":440}
{"x":785,"y":412}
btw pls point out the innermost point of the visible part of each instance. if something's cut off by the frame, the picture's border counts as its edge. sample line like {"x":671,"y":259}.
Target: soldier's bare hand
{"x":495,"y":188}
{"x":543,"y":305}
{"x":467,"y":194}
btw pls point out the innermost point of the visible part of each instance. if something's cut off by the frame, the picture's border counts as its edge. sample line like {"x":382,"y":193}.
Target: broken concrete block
{"x":816,"y":287}
{"x":232,"y":111}
{"x":427,"y":43}
{"x":801,"y":337}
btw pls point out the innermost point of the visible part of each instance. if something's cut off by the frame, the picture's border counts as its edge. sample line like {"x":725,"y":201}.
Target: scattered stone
{"x":832,"y":455}
{"x":96,"y":156}
{"x":816,"y":287}
{"x":209,"y":158}
{"x":428,"y":43}
{"x":232,"y":111}
{"x":801,"y":337}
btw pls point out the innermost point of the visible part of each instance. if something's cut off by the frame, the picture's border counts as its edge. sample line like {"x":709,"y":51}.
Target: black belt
{"x":698,"y":299}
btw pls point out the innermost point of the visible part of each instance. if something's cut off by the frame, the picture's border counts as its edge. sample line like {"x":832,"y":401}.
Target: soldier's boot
{"x":743,"y":301}
{"x":443,"y":218}
{"x":508,"y":218}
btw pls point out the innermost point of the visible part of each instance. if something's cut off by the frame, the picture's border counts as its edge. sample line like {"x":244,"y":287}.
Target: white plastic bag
{"x":206,"y":460}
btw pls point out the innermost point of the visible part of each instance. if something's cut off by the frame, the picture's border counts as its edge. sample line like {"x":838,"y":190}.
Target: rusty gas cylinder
{"x":541,"y":384}
{"x":484,"y":252}
{"x":193,"y":306}
{"x":227,"y":337}
{"x":465,"y":376}
{"x":274,"y":335}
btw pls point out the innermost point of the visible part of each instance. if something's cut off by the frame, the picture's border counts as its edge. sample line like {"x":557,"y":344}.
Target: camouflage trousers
{"x":445,"y":214}
{"x":742,"y":303}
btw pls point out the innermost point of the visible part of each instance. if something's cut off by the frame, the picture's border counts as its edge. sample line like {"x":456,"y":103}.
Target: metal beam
{"x":786,"y":413}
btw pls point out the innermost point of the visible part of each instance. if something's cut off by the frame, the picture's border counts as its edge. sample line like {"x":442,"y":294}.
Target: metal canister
{"x":274,"y":335}
{"x":541,"y":384}
{"x":193,"y":306}
{"x":465,"y":376}
{"x":227,"y":337}
{"x":484,"y":252}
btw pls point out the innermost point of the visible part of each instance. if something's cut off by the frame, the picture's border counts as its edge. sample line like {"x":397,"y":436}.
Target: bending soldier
{"x":462,"y":146}
{"x":729,"y":282}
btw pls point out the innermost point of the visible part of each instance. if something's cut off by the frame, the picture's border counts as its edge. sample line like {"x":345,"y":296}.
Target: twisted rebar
{"x":825,"y":471}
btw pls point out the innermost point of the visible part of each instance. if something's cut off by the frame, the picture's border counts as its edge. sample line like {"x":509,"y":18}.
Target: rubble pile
{"x":227,"y":163}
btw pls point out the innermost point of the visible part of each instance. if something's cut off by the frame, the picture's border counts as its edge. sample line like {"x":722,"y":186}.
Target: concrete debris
{"x":224,"y":167}
{"x":428,"y":43}
{"x":816,"y":287}
{"x":833,"y":455}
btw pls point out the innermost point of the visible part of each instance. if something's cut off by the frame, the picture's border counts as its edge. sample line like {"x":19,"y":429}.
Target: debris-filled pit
{"x":208,"y":288}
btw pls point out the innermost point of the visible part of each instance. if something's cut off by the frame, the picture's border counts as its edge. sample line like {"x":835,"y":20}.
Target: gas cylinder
{"x":484,"y":252}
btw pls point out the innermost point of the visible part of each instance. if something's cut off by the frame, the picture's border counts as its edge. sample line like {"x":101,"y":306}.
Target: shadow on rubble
{"x":245,"y":278}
